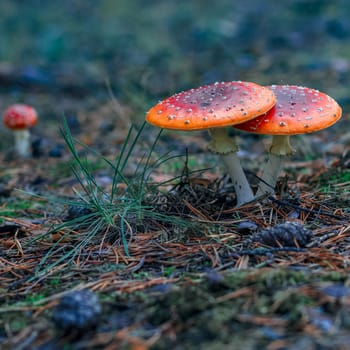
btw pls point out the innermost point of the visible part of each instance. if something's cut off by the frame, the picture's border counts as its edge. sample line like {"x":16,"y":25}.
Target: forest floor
{"x":115,"y":235}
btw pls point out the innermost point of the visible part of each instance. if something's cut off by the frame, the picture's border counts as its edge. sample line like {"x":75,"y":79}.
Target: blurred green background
{"x":52,"y":51}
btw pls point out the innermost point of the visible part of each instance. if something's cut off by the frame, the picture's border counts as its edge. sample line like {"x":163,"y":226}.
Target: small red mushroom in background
{"x":19,"y":118}
{"x":299,"y":110}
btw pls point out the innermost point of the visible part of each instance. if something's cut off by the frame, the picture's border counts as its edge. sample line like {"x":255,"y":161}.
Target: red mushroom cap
{"x":211,"y":106}
{"x":20,"y":116}
{"x":299,"y":110}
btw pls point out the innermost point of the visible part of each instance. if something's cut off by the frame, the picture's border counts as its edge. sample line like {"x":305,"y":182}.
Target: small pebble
{"x":336,"y":290}
{"x":76,"y":211}
{"x":56,"y":151}
{"x":245,"y":227}
{"x":73,"y":123}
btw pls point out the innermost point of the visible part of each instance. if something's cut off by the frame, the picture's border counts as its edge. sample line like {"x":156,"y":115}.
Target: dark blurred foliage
{"x":153,"y":48}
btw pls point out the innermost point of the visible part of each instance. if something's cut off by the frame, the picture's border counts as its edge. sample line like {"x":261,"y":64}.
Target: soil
{"x":114,"y":235}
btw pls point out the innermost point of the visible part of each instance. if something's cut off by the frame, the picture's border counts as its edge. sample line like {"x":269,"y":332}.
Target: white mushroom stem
{"x":226,"y":148}
{"x":279,"y":149}
{"x":22,"y":142}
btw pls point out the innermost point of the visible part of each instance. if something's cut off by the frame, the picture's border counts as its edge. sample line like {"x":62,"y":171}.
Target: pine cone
{"x":77,"y":311}
{"x":288,"y":234}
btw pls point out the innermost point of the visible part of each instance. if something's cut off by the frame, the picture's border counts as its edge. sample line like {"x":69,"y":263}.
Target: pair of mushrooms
{"x":278,"y":110}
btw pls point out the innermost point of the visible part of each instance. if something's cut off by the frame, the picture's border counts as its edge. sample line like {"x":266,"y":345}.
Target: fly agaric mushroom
{"x":216,"y":107}
{"x":299,"y":110}
{"x":19,"y":118}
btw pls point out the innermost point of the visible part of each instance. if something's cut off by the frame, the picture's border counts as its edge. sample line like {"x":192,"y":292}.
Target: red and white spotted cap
{"x":299,"y":110}
{"x":212,"y":106}
{"x":20,"y":116}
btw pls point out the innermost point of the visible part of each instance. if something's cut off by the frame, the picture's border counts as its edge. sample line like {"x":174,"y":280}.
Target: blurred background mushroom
{"x":19,"y":118}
